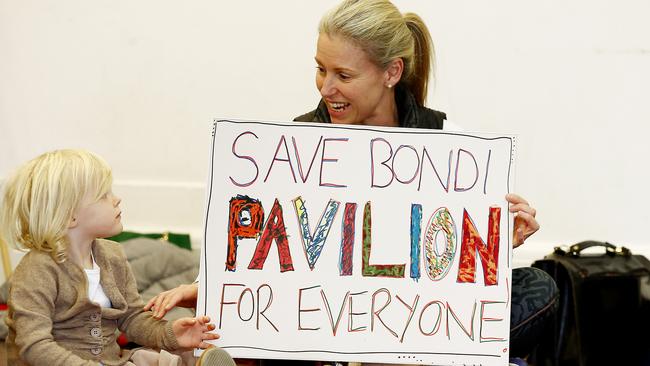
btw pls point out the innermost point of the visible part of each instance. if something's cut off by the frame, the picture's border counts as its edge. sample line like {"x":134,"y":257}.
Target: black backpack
{"x":604,"y":312}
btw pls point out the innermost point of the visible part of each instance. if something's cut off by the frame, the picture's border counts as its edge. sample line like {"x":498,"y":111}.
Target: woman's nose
{"x":328,"y":88}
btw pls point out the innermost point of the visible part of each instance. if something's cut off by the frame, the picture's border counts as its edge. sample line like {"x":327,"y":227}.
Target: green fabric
{"x":181,"y":240}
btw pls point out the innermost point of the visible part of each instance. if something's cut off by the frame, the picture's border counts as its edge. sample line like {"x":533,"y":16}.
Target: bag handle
{"x":610,"y":249}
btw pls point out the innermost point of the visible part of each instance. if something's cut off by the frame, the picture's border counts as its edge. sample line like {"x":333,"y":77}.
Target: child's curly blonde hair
{"x":42,"y":196}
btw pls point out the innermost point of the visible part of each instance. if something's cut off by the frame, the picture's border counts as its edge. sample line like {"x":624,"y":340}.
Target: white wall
{"x":139,"y":82}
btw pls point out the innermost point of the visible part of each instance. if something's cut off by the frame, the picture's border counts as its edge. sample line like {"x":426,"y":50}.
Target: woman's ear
{"x":393,"y":73}
{"x":72,"y":223}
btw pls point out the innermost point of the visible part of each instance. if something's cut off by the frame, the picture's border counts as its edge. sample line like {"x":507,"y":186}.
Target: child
{"x":72,"y":290}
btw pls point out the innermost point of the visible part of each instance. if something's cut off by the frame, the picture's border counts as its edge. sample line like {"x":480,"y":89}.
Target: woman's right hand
{"x":183,"y":295}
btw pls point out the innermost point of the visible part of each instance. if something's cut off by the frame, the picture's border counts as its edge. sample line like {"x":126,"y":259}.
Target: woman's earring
{"x":389,"y":86}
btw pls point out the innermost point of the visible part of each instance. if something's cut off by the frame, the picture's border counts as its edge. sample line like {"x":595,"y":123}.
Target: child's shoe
{"x":215,"y":356}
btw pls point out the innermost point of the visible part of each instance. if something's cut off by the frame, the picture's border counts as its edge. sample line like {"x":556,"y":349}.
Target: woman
{"x":372,"y":60}
{"x":374,"y":66}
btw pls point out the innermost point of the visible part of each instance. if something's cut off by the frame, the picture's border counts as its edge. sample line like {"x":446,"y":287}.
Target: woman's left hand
{"x":525,"y":222}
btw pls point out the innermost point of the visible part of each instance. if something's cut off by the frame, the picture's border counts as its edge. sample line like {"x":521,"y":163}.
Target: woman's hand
{"x":193,"y":332}
{"x":525,"y":222}
{"x":183,"y":295}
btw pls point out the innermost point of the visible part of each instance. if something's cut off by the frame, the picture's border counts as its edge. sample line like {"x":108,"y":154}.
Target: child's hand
{"x":193,"y":332}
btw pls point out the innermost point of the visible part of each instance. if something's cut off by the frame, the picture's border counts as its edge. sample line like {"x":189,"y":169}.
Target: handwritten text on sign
{"x":348,"y":243}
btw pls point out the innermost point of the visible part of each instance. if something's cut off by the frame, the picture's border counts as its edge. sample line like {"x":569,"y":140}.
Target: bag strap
{"x":610,"y":249}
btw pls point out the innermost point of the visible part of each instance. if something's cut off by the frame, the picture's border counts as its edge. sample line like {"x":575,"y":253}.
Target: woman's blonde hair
{"x":42,"y":196}
{"x":378,"y":27}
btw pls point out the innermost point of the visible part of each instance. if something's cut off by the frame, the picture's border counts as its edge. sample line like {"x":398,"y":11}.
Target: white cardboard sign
{"x":354,"y":243}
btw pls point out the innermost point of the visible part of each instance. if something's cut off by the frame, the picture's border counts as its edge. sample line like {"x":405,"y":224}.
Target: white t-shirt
{"x":96,"y":293}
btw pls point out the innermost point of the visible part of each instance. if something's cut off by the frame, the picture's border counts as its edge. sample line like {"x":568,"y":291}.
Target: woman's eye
{"x":320,"y":69}
{"x":344,"y":76}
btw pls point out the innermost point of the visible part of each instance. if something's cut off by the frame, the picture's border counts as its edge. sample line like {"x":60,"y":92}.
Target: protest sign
{"x":356,"y":243}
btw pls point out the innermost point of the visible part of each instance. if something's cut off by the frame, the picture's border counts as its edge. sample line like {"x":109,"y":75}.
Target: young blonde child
{"x":73,"y":290}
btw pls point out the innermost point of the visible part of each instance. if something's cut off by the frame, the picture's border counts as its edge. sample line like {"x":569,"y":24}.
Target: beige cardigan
{"x":52,"y":322}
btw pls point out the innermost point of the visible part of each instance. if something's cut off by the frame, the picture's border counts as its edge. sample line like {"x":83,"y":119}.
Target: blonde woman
{"x":373,"y":68}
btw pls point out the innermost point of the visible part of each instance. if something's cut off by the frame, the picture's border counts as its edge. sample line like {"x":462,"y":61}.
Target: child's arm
{"x":31,"y":310}
{"x":194,"y":332}
{"x":140,"y":327}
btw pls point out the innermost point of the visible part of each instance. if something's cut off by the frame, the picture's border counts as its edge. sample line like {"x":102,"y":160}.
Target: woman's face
{"x":354,"y":89}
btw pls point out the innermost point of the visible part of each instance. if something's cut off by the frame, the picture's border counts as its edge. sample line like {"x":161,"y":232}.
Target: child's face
{"x":99,"y":219}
